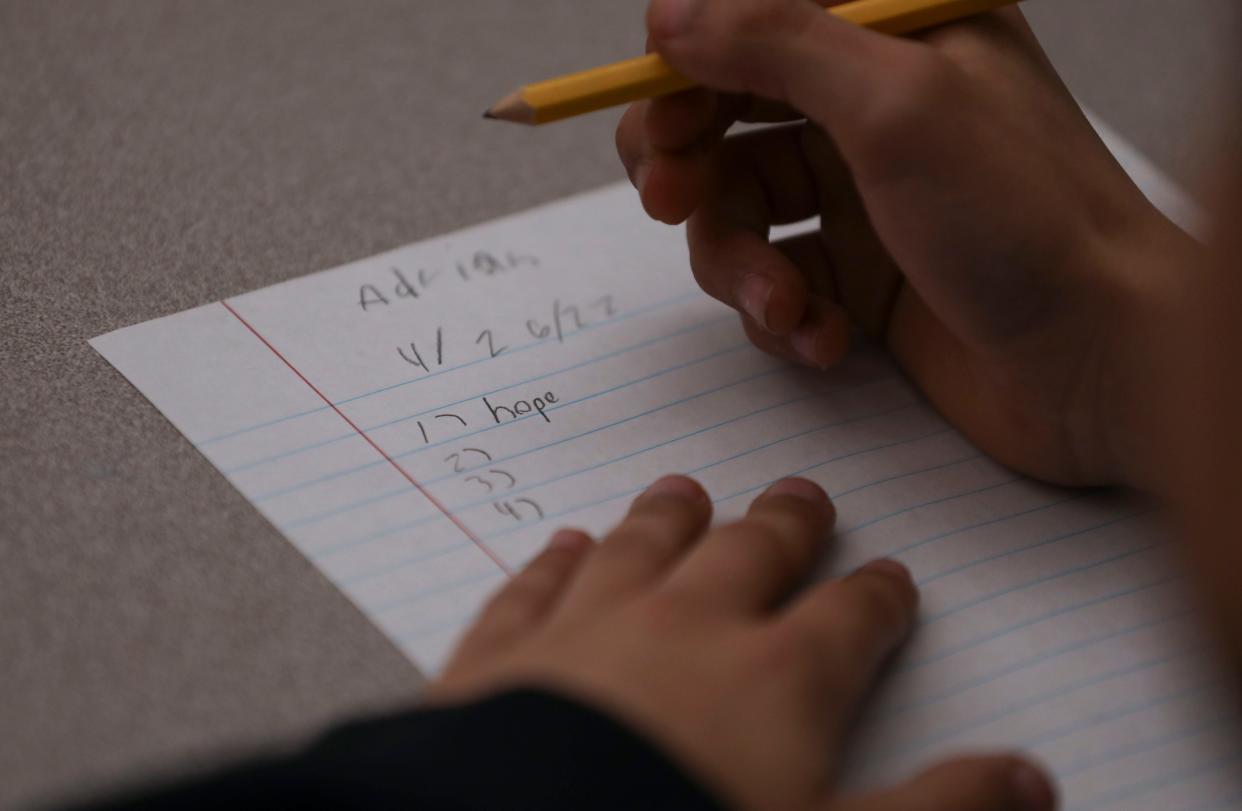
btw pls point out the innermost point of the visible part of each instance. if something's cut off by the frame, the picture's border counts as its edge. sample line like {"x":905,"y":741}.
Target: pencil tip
{"x":511,"y":108}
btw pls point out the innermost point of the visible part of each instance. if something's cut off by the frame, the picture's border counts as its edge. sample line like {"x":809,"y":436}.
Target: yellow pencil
{"x":649,"y":76}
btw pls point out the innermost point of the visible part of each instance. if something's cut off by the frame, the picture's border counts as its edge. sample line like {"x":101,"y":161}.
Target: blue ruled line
{"x":422,"y":557}
{"x":534,"y":415}
{"x":633,"y":491}
{"x":1101,"y":758}
{"x":907,"y":474}
{"x":930,"y":503}
{"x":901,"y":550}
{"x":1059,"y":691}
{"x":1112,"y":796}
{"x":991,"y":635}
{"x":822,"y":463}
{"x":339,"y":437}
{"x":1030,"y":661}
{"x":1095,"y":719}
{"x":423,"y":594}
{"x":501,"y":460}
{"x":434,"y":628}
{"x":616,"y":319}
{"x":461,"y":507}
{"x":347,"y":471}
{"x":923,"y":581}
{"x":1037,"y":582}
{"x":403,"y":563}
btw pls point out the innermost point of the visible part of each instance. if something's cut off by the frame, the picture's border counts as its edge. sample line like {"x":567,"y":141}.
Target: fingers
{"x":662,"y":523}
{"x":529,"y":596}
{"x":664,"y":144}
{"x":822,"y":337}
{"x":820,"y":342}
{"x":852,"y":625}
{"x":678,"y":122}
{"x":752,"y":564}
{"x":758,"y":179}
{"x":866,"y":278}
{"x":983,"y":783}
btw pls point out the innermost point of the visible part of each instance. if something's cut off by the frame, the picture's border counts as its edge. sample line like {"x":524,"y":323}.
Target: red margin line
{"x":425,"y":493}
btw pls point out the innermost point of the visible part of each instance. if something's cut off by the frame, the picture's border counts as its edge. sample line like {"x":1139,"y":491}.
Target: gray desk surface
{"x":158,"y":155}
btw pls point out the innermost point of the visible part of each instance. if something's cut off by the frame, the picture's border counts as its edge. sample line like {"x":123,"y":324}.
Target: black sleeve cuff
{"x":524,"y":749}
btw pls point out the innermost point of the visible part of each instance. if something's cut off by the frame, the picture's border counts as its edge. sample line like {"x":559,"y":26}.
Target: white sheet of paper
{"x":416,"y":423}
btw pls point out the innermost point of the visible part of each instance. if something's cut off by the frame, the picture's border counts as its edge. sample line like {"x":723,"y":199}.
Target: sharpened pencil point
{"x":512,"y":108}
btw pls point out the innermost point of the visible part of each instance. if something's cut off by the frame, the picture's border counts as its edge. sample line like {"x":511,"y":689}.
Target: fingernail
{"x":804,"y":489}
{"x":806,"y":345}
{"x":753,"y":294}
{"x":676,"y":487}
{"x":1033,"y":788}
{"x":889,"y":567}
{"x":671,"y":18}
{"x":566,"y":539}
{"x":823,"y":343}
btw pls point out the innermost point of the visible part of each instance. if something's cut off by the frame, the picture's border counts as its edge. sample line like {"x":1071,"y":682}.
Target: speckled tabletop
{"x":160,"y":154}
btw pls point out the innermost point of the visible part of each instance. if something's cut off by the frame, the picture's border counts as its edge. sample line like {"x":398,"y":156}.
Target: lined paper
{"x":418,"y":422}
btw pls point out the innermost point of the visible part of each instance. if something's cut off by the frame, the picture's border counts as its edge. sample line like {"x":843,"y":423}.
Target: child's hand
{"x":970,"y":217}
{"x":692,"y":637}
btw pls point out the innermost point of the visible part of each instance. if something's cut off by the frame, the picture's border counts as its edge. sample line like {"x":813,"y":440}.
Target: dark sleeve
{"x":524,"y":749}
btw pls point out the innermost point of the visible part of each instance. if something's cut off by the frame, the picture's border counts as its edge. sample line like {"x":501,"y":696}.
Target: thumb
{"x":982,"y":783}
{"x":837,"y":73}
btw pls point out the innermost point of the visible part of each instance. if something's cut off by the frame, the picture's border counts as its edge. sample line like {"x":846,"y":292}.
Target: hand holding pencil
{"x":927,"y":161}
{"x":650,"y":76}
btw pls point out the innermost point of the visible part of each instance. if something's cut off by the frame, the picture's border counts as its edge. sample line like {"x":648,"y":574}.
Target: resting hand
{"x":693,"y":636}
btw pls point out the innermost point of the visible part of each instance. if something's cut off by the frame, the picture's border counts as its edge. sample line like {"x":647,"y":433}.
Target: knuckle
{"x":753,"y":26}
{"x":917,"y":90}
{"x":755,"y":538}
{"x":798,"y":514}
{"x":759,"y":16}
{"x":658,"y":526}
{"x":657,"y":510}
{"x":755,"y":532}
{"x":675,"y":122}
{"x":741,"y":559}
